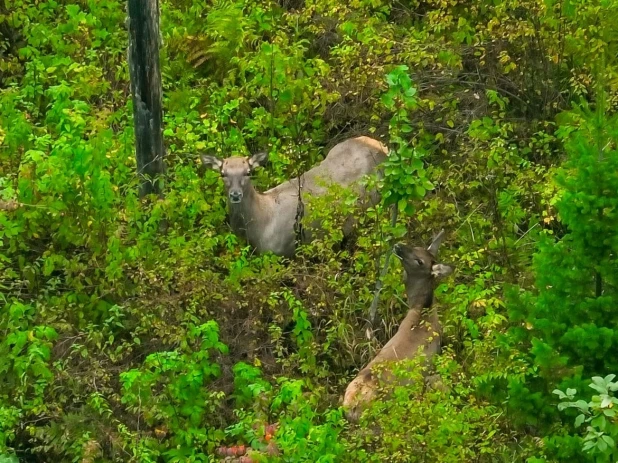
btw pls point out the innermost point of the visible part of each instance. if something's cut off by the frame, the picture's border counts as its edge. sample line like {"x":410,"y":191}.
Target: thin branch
{"x":376,"y":296}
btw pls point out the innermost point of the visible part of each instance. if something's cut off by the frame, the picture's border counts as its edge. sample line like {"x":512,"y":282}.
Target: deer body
{"x":266,"y":220}
{"x":419,"y":333}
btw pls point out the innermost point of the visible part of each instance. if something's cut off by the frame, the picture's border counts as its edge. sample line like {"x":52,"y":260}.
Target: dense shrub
{"x":143,"y":330}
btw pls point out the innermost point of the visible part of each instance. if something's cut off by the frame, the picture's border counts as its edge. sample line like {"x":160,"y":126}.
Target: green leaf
{"x":599,"y":422}
{"x":599,"y":381}
{"x":579,"y":420}
{"x":410,"y":92}
{"x":609,"y":441}
{"x":388,"y":100}
{"x":72,"y":10}
{"x":606,"y":401}
{"x":416,"y":164}
{"x":588,"y":445}
{"x":602,"y":445}
{"x":285,"y":96}
{"x":428,"y":185}
{"x":582,"y":405}
{"x":599,"y":389}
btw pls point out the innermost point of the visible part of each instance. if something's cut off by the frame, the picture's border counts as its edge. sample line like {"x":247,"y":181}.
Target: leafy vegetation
{"x":143,"y":330}
{"x":599,"y":412}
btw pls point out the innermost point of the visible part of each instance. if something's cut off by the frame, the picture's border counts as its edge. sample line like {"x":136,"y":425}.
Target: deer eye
{"x":419,"y":261}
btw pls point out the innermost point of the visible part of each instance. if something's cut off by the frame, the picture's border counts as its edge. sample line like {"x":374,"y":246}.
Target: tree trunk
{"x":146,"y":89}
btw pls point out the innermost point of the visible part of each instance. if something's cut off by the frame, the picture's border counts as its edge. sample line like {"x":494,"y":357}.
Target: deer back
{"x":344,"y":164}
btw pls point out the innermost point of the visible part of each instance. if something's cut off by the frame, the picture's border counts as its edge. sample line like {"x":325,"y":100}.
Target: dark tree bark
{"x":146,"y":89}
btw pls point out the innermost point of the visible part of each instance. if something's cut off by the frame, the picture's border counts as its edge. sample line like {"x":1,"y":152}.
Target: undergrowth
{"x":144,"y":330}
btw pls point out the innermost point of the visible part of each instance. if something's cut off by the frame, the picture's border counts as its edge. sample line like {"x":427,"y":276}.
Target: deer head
{"x":420,"y":263}
{"x":236,"y":172}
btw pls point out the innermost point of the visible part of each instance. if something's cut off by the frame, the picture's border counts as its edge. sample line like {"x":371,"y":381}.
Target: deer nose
{"x":397,"y":249}
{"x":235,"y":196}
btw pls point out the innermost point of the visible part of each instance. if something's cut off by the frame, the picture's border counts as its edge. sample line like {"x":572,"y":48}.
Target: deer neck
{"x":249,"y":214}
{"x":420,"y":300}
{"x":419,"y":292}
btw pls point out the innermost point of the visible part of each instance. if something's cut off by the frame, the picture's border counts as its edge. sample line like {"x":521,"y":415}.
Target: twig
{"x":376,"y":295}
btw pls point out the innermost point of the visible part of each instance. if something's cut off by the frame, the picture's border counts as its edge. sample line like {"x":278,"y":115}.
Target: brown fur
{"x":419,"y":333}
{"x":267,"y":219}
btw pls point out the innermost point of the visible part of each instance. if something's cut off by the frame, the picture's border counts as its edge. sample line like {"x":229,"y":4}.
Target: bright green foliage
{"x":306,"y":433}
{"x":171,"y":388}
{"x":570,"y":323}
{"x":445,"y":423}
{"x":114,"y":312}
{"x":405,"y":179}
{"x":25,"y":375}
{"x":602,"y":429}
{"x":248,"y":384}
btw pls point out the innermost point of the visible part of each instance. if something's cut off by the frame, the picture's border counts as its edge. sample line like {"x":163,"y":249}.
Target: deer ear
{"x":441,"y":270}
{"x":258,"y":159}
{"x":211,"y":162}
{"x":435,"y":244}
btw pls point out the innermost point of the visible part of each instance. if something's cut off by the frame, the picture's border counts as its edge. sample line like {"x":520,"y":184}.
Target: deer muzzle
{"x":235,"y":196}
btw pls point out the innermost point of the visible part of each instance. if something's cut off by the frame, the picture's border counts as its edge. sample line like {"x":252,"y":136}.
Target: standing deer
{"x":419,"y":332}
{"x":267,"y":219}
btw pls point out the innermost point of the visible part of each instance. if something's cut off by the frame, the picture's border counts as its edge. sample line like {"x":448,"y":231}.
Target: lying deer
{"x":267,"y":219}
{"x":419,"y":332}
